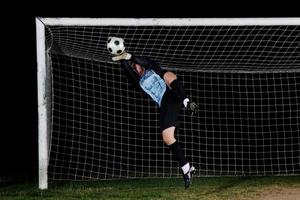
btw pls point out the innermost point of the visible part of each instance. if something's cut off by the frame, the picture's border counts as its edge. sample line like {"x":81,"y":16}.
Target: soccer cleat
{"x":188,"y":177}
{"x":123,"y":56}
{"x":192,"y":107}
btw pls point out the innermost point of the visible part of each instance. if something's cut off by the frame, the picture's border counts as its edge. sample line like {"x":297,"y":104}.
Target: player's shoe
{"x":123,"y":56}
{"x":192,"y":107}
{"x":187,"y":178}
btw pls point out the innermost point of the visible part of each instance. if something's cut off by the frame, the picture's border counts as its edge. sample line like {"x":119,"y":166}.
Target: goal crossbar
{"x":170,"y":21}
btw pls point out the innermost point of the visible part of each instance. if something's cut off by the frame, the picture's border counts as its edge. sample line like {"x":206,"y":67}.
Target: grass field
{"x":285,"y":188}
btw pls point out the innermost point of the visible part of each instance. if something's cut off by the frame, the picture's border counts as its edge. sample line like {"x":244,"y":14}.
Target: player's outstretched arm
{"x":131,"y":75}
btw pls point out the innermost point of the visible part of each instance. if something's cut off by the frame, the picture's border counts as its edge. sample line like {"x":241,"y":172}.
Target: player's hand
{"x":123,"y":56}
{"x":193,"y":108}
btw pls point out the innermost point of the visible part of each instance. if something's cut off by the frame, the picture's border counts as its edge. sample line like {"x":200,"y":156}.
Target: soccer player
{"x":166,"y":90}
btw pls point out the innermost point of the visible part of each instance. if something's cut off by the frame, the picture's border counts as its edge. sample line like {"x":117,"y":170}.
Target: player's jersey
{"x":151,"y":82}
{"x":153,"y":85}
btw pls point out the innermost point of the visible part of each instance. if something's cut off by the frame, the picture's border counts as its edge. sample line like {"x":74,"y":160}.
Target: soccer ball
{"x":115,"y":45}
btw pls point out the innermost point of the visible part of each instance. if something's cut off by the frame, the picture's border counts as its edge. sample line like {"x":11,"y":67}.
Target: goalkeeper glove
{"x":123,"y":56}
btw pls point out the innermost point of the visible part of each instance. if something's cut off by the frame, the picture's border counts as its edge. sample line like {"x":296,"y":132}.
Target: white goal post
{"x":43,"y":68}
{"x":43,"y":131}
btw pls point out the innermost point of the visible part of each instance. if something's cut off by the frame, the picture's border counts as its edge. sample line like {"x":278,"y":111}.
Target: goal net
{"x":244,"y":73}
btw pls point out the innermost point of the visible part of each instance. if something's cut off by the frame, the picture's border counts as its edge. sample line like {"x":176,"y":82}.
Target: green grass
{"x":170,"y":189}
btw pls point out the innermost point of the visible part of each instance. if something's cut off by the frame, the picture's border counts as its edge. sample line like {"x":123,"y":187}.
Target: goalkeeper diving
{"x":168,"y":93}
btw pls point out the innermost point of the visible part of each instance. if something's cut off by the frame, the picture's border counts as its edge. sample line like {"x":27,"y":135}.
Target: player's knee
{"x":169,"y":77}
{"x":168,"y":136}
{"x":168,"y":140}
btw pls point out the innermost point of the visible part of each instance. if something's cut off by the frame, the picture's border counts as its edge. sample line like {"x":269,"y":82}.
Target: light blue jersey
{"x":153,"y":85}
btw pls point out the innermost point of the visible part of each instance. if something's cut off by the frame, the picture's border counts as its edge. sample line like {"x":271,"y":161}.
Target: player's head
{"x":138,"y":68}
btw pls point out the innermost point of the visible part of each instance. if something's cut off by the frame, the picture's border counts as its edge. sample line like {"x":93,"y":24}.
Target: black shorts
{"x":169,"y":110}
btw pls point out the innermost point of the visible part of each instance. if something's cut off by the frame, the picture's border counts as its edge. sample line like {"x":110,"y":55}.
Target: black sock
{"x":178,"y":153}
{"x":178,"y":90}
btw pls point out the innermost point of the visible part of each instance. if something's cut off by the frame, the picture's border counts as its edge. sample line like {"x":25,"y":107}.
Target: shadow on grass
{"x":229,"y":184}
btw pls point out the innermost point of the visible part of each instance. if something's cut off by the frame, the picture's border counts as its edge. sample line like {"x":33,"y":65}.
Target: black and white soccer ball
{"x":115,"y":45}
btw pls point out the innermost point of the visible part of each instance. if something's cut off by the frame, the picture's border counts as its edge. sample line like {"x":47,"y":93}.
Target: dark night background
{"x":18,"y":142}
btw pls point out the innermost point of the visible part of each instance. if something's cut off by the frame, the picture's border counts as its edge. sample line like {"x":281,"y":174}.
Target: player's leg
{"x":168,"y":136}
{"x":169,"y":112}
{"x":169,"y":77}
{"x":177,"y":88}
{"x":173,"y":144}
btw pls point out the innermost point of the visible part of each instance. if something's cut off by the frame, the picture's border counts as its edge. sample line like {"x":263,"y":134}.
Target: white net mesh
{"x":199,"y":47}
{"x":246,"y":79}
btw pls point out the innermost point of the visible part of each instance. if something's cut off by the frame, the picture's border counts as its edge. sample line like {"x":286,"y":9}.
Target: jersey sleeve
{"x":131,"y":75}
